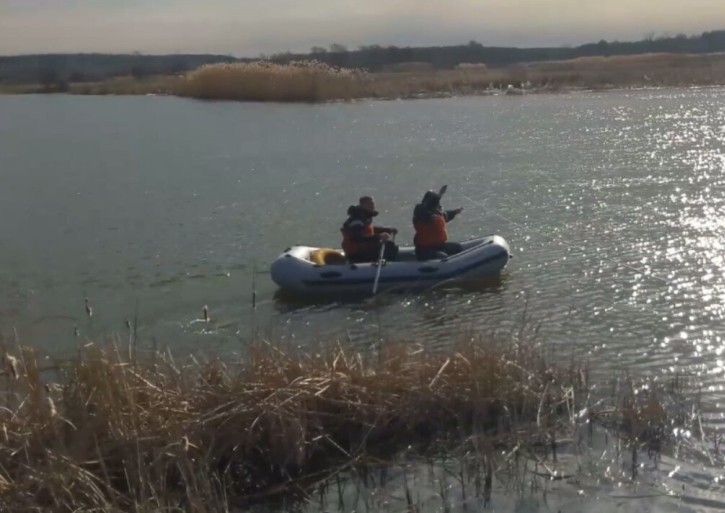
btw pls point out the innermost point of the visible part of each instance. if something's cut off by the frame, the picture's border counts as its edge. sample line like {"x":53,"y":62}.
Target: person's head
{"x":367,"y":203}
{"x":431,"y":200}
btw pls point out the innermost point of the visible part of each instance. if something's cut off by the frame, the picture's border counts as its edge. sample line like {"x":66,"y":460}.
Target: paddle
{"x":380,"y":266}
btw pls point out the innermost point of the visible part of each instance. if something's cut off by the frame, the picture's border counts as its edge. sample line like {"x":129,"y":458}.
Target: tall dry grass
{"x":21,"y":88}
{"x":316,"y":82}
{"x":307,"y":81}
{"x":110,"y":432}
{"x":592,"y":73}
{"x":121,"y":85}
{"x":625,"y":61}
{"x":128,"y":85}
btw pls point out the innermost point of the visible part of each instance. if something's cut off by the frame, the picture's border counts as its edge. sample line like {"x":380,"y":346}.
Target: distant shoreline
{"x":313,"y":82}
{"x":420,"y":96}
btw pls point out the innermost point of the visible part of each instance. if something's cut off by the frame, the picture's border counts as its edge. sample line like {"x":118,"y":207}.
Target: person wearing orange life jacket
{"x":361,"y":239}
{"x":431,"y":232}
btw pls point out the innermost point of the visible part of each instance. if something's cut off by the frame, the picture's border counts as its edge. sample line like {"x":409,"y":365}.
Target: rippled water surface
{"x":614,"y":205}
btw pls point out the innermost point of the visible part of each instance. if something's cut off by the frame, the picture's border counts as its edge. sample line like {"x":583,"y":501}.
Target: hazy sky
{"x":249,"y":27}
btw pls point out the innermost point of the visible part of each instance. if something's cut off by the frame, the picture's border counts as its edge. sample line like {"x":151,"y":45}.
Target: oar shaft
{"x":380,"y":267}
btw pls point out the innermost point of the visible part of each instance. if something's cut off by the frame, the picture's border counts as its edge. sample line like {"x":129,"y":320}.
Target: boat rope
{"x":571,"y":246}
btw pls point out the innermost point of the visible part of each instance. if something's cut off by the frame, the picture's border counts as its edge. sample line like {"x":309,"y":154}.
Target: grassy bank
{"x":315,"y":82}
{"x":117,"y":431}
{"x":125,"y":85}
{"x":600,"y":73}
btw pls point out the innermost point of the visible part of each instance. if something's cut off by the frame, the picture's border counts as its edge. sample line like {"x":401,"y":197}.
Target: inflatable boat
{"x":320,"y":270}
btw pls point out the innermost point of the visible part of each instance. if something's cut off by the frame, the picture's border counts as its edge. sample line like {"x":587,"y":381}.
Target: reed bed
{"x":21,"y":89}
{"x":127,"y":85}
{"x":306,"y":81}
{"x":121,"y":85}
{"x":113,"y":430}
{"x":594,"y":73}
{"x":316,"y":82}
{"x":643,"y":59}
{"x":312,"y":81}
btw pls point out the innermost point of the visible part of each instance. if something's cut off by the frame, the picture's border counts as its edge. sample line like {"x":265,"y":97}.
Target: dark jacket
{"x":424,"y":214}
{"x":430,"y":207}
{"x":357,"y":226}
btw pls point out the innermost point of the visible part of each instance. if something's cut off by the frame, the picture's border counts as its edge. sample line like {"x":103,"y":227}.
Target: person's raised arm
{"x":451,"y":214}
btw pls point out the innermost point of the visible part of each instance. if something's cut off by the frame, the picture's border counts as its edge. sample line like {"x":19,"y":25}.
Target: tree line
{"x":376,"y":57}
{"x":59,"y":69}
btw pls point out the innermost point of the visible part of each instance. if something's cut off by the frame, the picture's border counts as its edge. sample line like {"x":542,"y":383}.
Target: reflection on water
{"x":287,"y":301}
{"x":599,"y":480}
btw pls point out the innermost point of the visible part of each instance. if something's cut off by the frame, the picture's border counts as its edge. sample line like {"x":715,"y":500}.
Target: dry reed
{"x":594,"y":73}
{"x":127,"y":85}
{"x":307,"y":81}
{"x":315,"y":82}
{"x":113,"y":433}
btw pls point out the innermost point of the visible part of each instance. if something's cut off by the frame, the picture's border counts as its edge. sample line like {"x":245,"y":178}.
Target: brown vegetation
{"x":145,"y":433}
{"x":127,"y":85}
{"x":595,"y":73}
{"x":262,"y":81}
{"x":645,"y":70}
{"x":316,"y":82}
{"x":408,"y":67}
{"x":122,"y":85}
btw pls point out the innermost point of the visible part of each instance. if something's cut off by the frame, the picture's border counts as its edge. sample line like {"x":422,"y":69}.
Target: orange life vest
{"x":431,"y":234}
{"x":349,"y":246}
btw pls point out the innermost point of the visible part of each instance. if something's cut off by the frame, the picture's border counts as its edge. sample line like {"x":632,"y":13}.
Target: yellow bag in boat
{"x":327,"y":256}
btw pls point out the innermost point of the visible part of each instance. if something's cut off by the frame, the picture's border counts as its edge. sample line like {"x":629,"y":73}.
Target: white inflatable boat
{"x":318,"y":270}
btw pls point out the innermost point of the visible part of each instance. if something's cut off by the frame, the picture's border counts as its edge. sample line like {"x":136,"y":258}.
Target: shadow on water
{"x":289,"y":302}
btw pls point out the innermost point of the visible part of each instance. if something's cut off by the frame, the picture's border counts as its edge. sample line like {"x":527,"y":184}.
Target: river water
{"x":161,"y":205}
{"x":613,"y":203}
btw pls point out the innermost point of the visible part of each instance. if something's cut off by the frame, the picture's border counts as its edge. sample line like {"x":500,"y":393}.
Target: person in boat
{"x":431,"y":233}
{"x":361,"y":239}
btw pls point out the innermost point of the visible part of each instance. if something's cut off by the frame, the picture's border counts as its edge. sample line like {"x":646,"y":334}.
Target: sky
{"x":252,"y":27}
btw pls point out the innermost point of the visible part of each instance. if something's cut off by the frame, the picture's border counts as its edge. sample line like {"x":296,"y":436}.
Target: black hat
{"x":431,"y":199}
